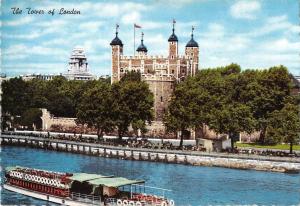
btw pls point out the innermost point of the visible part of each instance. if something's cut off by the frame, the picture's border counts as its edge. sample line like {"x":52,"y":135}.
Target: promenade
{"x":237,"y":161}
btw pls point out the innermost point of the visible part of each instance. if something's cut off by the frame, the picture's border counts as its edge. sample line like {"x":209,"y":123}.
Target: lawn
{"x":278,"y":146}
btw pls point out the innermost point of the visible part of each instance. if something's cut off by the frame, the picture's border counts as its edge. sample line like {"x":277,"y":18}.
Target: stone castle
{"x":160,"y":72}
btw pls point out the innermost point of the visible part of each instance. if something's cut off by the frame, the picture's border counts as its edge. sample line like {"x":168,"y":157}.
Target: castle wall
{"x":48,"y":120}
{"x":162,"y":87}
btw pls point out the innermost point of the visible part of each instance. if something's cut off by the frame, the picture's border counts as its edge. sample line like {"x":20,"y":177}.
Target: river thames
{"x":190,"y":185}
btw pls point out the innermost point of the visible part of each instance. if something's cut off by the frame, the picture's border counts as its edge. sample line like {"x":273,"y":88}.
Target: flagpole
{"x":133,"y":39}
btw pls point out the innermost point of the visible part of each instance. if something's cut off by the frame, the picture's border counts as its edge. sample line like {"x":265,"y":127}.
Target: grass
{"x":278,"y":146}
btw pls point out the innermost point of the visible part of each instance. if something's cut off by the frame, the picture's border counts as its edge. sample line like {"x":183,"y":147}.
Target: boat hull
{"x":45,"y":197}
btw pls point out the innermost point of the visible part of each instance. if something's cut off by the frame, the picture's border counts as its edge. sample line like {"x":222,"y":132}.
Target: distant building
{"x":78,"y":66}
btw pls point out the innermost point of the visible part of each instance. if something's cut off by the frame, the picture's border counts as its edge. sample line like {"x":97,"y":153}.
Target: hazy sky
{"x":254,"y":34}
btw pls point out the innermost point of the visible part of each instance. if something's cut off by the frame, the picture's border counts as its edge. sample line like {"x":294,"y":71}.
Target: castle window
{"x":173,"y":71}
{"x":121,"y":70}
{"x":192,"y":53}
{"x":161,"y":98}
{"x":172,"y":57}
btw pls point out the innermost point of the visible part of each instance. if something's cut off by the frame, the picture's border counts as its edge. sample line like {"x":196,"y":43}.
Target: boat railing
{"x":85,"y":198}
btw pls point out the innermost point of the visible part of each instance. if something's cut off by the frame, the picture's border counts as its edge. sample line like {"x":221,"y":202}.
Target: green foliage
{"x":229,"y":101}
{"x":131,"y":76}
{"x":31,"y":116}
{"x":132,"y":103}
{"x":284,"y":125}
{"x":14,"y":98}
{"x":94,"y":108}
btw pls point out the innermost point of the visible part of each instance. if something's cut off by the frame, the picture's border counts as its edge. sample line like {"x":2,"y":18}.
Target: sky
{"x":255,"y":34}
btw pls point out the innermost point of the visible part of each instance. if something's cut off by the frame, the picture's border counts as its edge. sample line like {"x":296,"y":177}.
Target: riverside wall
{"x":262,"y":163}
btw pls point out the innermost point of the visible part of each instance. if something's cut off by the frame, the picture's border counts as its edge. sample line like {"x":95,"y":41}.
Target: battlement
{"x":158,"y":77}
{"x":143,"y":57}
{"x":122,"y":57}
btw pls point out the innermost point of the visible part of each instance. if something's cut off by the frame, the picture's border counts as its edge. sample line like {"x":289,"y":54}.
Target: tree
{"x":186,"y":108}
{"x":232,"y":119}
{"x":14,"y":98}
{"x":132,"y":102}
{"x":284,"y":125}
{"x":266,"y":93}
{"x":94,"y":109}
{"x":31,"y":117}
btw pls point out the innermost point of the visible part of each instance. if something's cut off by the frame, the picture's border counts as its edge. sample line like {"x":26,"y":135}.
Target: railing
{"x":85,"y":198}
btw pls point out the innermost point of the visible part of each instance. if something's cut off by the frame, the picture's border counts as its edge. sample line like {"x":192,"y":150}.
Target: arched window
{"x":161,"y":98}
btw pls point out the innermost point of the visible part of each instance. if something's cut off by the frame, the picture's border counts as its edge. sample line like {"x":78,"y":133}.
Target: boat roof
{"x":81,"y":177}
{"x":114,"y":181}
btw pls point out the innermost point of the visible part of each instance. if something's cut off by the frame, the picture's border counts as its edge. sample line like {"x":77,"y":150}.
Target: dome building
{"x":78,"y":66}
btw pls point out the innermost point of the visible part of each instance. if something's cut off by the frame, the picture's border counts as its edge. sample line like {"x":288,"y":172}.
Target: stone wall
{"x":49,"y":120}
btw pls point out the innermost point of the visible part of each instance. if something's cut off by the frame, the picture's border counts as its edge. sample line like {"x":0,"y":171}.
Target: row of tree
{"x":97,"y":104}
{"x":230,"y":101}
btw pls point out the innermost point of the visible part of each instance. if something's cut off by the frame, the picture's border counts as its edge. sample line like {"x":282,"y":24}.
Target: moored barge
{"x":82,"y":189}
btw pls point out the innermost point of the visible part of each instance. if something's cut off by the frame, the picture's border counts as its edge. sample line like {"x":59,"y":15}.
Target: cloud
{"x":275,"y":23}
{"x":245,"y":9}
{"x":19,"y":21}
{"x":131,"y":18}
{"x":91,"y":26}
{"x":281,"y":46}
{"x":22,"y":51}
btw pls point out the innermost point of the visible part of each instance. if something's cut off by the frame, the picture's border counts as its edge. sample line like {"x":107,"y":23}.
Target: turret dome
{"x":142,"y":47}
{"x":116,"y":40}
{"x":173,"y":37}
{"x":192,"y":42}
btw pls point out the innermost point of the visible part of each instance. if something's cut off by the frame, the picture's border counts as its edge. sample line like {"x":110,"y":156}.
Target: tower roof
{"x":192,"y":42}
{"x":116,"y":40}
{"x":142,"y":47}
{"x":173,"y":37}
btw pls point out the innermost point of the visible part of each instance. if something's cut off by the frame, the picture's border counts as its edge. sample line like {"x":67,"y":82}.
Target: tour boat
{"x":82,"y":189}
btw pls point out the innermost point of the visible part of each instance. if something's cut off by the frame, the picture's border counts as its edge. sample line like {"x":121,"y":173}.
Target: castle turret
{"x":192,"y":52}
{"x":173,"y":44}
{"x":142,"y":49}
{"x":117,"y":51}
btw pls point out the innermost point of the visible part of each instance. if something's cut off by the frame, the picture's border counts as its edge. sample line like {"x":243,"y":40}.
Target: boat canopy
{"x":114,"y":182}
{"x":82,"y":177}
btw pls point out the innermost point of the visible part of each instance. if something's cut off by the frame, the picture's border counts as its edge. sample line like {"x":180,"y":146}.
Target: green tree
{"x":186,"y":109}
{"x":284,"y":125}
{"x":232,"y":119}
{"x":94,"y":109}
{"x":30,"y":117}
{"x":266,"y":94}
{"x":14,"y":98}
{"x":132,"y":102}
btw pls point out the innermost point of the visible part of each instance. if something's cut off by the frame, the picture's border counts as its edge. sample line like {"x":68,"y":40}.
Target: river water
{"x":190,"y":185}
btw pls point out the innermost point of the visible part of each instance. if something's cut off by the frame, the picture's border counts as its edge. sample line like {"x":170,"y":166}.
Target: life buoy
{"x":171,"y":203}
{"x":52,"y":182}
{"x":163,"y":203}
{"x":131,"y":203}
{"x":125,"y":203}
{"x":119,"y":202}
{"x":138,"y":204}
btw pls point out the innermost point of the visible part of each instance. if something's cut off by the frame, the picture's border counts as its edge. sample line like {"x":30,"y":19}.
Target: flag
{"x":137,"y":26}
